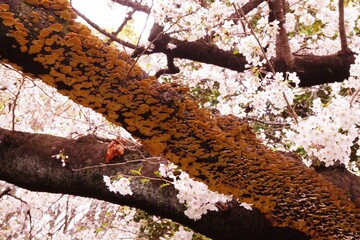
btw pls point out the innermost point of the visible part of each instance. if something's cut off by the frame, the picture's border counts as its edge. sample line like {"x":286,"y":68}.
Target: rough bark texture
{"x":43,"y":38}
{"x":25,"y":160}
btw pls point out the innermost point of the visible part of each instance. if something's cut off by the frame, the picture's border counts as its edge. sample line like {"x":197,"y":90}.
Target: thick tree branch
{"x":221,"y":151}
{"x":25,"y":160}
{"x":171,"y":68}
{"x":312,"y":69}
{"x":315,"y":70}
{"x":200,"y":51}
{"x":343,"y":40}
{"x":283,"y":50}
{"x":31,"y":154}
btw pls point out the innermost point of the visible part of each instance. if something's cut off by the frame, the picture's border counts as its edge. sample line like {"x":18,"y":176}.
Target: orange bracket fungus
{"x":220,"y":151}
{"x":116,"y":148}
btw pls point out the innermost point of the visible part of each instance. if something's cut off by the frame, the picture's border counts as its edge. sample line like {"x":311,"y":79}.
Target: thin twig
{"x":281,"y":124}
{"x":146,"y":177}
{"x":114,"y":164}
{"x":143,"y":30}
{"x":354,"y":97}
{"x":5,"y":191}
{"x":104,"y":32}
{"x":122,"y":25}
{"x":106,"y":165}
{"x":66,"y":218}
{"x":17,"y":198}
{"x":291,"y":110}
{"x":241,"y":13}
{"x":15,"y":103}
{"x":28,"y":213}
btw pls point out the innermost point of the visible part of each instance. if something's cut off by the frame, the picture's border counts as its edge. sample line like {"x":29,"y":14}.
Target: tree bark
{"x":311,"y":69}
{"x":45,"y":41}
{"x":283,"y":50}
{"x":26,"y":160}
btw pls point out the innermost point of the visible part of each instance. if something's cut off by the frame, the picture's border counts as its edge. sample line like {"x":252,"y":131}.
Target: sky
{"x":108,"y":15}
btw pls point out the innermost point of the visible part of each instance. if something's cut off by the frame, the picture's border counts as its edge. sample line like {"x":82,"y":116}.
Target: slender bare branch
{"x":243,"y":16}
{"x":102,"y":31}
{"x":136,"y":6}
{"x":122,"y":25}
{"x":129,"y":162}
{"x":291,"y":110}
{"x":354,"y":96}
{"x":5,"y":191}
{"x":13,"y":108}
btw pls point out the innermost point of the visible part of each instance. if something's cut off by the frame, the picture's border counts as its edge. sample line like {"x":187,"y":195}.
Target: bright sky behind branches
{"x":109,"y":15}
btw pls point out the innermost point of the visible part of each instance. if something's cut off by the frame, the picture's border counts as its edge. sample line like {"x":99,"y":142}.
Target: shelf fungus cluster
{"x":42,"y":38}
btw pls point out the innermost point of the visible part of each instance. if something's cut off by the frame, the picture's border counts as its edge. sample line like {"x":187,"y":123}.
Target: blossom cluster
{"x":195,"y":195}
{"x":38,"y":215}
{"x":333,"y":128}
{"x":39,"y":108}
{"x":329,"y":134}
{"x":121,"y":185}
{"x":313,"y":23}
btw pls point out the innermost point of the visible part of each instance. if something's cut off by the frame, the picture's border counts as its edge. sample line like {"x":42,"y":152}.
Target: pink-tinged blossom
{"x":122,"y":185}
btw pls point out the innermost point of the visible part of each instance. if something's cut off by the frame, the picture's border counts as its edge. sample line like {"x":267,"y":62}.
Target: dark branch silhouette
{"x":312,"y":69}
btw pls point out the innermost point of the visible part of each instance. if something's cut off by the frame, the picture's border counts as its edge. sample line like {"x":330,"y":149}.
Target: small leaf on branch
{"x":144,"y":180}
{"x":136,"y":172}
{"x":164,"y":185}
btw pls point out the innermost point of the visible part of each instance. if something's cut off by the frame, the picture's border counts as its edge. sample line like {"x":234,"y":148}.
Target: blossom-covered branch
{"x":312,"y":69}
